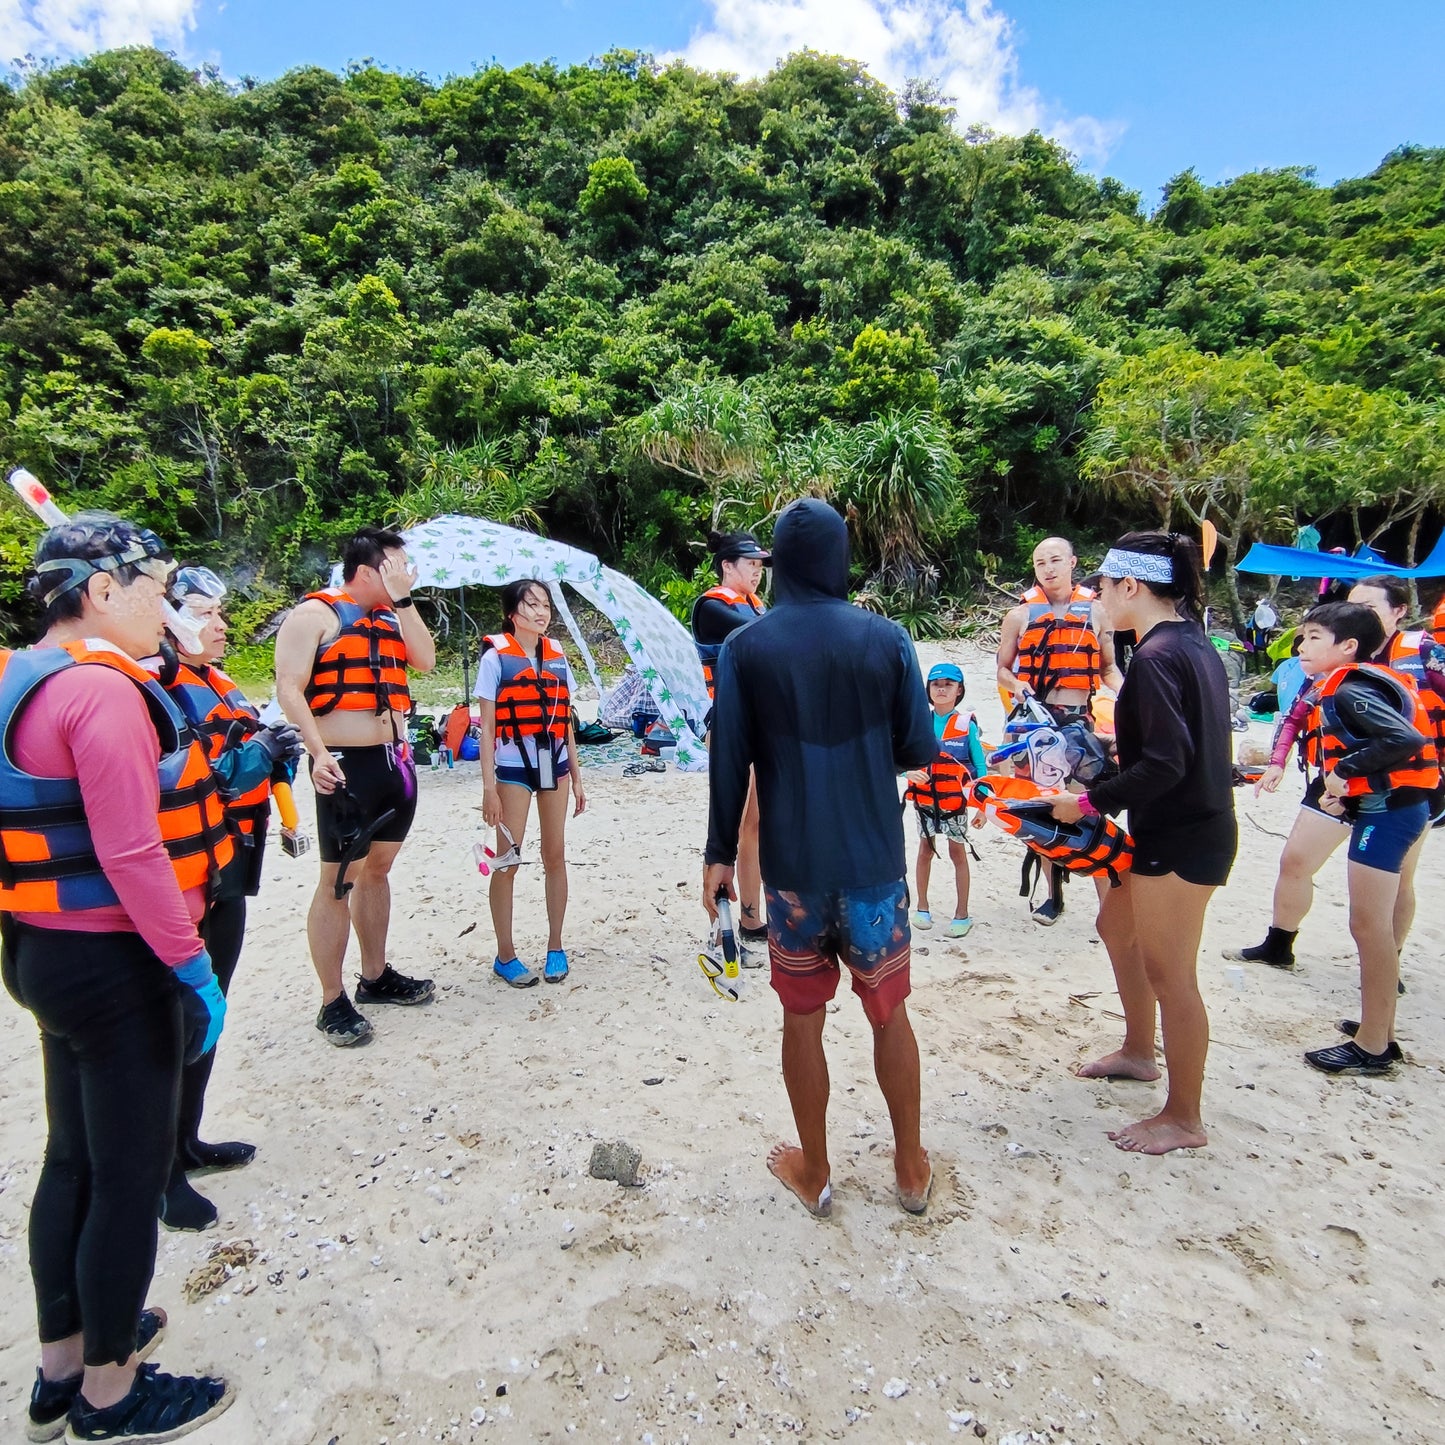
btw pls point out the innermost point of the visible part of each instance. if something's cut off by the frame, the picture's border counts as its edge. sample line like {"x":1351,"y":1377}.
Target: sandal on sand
{"x":1350,"y":1058}
{"x":555,"y":969}
{"x":960,"y":928}
{"x":159,"y":1407}
{"x":50,"y":1400}
{"x":922,"y":918}
{"x":514,"y":972}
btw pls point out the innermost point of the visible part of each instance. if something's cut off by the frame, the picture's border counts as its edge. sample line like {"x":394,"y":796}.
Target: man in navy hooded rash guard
{"x":826,"y":702}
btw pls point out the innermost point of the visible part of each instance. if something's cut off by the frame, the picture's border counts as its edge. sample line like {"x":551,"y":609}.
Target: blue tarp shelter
{"x":1297,"y":562}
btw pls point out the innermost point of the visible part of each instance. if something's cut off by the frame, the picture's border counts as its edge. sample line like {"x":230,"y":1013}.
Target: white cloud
{"x":78,"y":27}
{"x":964,"y":45}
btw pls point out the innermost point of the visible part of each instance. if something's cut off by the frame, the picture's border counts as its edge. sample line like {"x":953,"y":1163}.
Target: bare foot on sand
{"x":1119,"y":1066}
{"x":1158,"y":1135}
{"x":915,"y":1185}
{"x":786,"y":1164}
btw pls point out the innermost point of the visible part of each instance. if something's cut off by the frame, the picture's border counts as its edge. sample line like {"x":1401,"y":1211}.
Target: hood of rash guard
{"x":810,"y":553}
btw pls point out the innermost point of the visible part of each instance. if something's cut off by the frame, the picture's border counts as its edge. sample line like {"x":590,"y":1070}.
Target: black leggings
{"x":223,"y":933}
{"x":110,"y":1034}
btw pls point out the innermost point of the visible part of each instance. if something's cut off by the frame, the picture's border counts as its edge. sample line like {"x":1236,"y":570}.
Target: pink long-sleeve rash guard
{"x":92,"y":724}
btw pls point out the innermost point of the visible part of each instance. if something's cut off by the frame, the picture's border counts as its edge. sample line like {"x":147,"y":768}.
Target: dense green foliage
{"x":625,"y":303}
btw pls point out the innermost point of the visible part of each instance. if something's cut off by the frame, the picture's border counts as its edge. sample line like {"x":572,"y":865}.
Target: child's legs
{"x":958,"y":853}
{"x":1168,"y":922}
{"x":922,"y":870}
{"x":1311,"y":841}
{"x":1373,"y":894}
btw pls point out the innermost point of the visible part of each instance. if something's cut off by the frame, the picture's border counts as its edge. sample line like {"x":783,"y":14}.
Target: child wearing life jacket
{"x":1367,"y":738}
{"x":938,"y":793}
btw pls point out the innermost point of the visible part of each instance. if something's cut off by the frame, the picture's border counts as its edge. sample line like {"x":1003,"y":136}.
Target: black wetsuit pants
{"x":223,"y":932}
{"x":111,"y":1039}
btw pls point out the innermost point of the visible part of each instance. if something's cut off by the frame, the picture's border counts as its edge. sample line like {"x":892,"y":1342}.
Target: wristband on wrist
{"x":1086,"y":807}
{"x":399,"y":602}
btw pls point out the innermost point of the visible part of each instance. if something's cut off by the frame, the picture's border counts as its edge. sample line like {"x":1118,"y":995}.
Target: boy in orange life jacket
{"x":1366,"y":737}
{"x":341,"y":664}
{"x":937,"y":793}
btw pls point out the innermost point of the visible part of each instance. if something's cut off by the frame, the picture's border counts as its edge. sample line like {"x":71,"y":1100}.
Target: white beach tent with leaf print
{"x":455,"y":551}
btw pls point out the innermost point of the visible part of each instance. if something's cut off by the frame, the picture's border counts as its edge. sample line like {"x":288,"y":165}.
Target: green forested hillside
{"x":620,"y":301}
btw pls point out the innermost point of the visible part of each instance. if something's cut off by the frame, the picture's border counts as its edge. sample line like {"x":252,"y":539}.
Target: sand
{"x":435,"y":1262}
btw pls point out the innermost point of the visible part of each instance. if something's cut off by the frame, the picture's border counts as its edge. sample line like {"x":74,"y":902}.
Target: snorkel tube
{"x":31,"y":490}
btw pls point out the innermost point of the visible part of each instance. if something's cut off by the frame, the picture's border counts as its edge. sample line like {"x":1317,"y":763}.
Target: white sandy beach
{"x":429,"y":1235}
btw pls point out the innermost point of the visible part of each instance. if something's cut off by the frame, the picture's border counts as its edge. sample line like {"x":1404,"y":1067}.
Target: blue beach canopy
{"x":1297,"y":562}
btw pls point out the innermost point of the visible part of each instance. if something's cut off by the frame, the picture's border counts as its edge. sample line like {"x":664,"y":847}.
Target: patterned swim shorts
{"x":811,"y":935}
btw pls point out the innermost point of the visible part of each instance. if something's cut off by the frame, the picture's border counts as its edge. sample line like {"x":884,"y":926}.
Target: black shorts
{"x":1201,"y":852}
{"x":1314,"y":795}
{"x":378,"y":779}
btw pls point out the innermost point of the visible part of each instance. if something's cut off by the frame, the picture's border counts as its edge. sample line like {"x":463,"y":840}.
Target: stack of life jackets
{"x":362,"y":668}
{"x":213,"y":706}
{"x":707,"y":652}
{"x":945,"y":794}
{"x":47,"y":857}
{"x":1060,"y":651}
{"x":1327,"y":738}
{"x":532,"y":701}
{"x":1096,"y":846}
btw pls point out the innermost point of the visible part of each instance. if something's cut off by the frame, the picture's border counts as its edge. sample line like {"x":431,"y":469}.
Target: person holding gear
{"x":341,"y":667}
{"x":111,"y":833}
{"x":716,"y":615}
{"x":528,"y":747}
{"x":1055,"y":648}
{"x":245,"y":758}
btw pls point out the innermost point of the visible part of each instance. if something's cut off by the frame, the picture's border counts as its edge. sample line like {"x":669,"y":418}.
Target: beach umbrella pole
{"x":466,"y":673}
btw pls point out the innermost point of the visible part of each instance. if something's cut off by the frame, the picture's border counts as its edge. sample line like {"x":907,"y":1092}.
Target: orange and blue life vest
{"x":48,"y":862}
{"x":1095,"y":845}
{"x":362,"y":668}
{"x":949,"y":774}
{"x":1327,"y":737}
{"x":742,"y":602}
{"x":1060,"y":650}
{"x":532,"y":696}
{"x":1408,"y":654}
{"x":213,"y":706}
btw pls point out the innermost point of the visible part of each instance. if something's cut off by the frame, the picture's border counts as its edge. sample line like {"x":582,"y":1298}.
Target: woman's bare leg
{"x":552,"y":810}
{"x":1168,"y":923}
{"x":516,"y":801}
{"x":1135,"y":1060}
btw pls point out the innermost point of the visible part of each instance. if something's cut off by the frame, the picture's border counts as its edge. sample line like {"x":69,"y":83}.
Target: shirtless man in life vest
{"x":341,"y":677}
{"x":1054,"y":647}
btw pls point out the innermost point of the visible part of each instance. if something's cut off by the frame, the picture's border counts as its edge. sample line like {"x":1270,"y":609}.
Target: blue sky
{"x":1139,"y":88}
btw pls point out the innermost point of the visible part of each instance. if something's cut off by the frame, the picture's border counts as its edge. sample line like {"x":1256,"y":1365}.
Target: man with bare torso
{"x":341,"y":676}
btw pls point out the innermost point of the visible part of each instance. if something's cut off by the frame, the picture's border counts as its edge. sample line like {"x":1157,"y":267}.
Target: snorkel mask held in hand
{"x":719,"y":962}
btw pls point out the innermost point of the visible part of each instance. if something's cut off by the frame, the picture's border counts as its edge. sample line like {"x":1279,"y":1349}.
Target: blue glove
{"x":203,"y":1005}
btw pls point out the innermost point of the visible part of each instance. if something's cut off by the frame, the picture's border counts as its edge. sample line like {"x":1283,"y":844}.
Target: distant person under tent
{"x":341,"y":676}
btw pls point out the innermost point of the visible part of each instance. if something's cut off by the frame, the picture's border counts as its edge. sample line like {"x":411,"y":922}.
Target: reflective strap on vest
{"x":362,"y":668}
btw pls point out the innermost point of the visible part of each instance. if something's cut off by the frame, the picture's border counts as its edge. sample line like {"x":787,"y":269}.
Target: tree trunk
{"x":1228,"y":546}
{"x":1412,"y":549}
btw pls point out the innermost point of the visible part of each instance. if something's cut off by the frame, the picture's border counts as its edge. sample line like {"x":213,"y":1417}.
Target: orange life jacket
{"x":1406,"y":655}
{"x":741,"y":602}
{"x":362,"y":668}
{"x":1326,"y":738}
{"x":1060,"y":651}
{"x":213,"y":705}
{"x":949,"y":774}
{"x":530,"y":702}
{"x":47,"y":856}
{"x":1095,"y":845}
